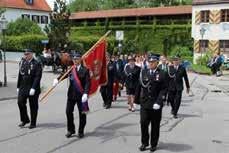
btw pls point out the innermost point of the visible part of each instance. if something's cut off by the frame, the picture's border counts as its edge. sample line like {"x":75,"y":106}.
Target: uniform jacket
{"x":29,"y":76}
{"x":165,"y":71}
{"x":84,"y":77}
{"x":176,"y":78}
{"x":151,"y":89}
{"x":132,"y":76}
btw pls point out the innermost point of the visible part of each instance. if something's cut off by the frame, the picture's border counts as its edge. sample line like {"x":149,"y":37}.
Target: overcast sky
{"x":51,"y":2}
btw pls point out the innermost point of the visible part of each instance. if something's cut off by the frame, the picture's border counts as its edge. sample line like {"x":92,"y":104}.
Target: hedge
{"x":138,"y":38}
{"x":141,"y":38}
{"x":19,"y":43}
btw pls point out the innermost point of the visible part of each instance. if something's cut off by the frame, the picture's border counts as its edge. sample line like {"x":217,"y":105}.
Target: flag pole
{"x":52,"y":88}
{"x":102,"y":38}
{"x":64,"y":75}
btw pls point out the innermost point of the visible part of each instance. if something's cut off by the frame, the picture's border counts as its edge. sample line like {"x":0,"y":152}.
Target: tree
{"x":92,"y":5}
{"x":59,"y":28}
{"x":2,"y":10}
{"x":84,"y":5}
{"x":23,"y":26}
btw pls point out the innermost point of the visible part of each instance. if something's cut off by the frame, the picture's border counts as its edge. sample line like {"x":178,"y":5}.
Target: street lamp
{"x":3,"y":24}
{"x":202,"y":32}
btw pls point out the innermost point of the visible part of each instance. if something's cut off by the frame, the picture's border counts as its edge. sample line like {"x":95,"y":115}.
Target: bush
{"x":19,"y":43}
{"x":141,"y":38}
{"x":83,"y":44}
{"x":21,"y":27}
{"x":204,"y":59}
{"x":201,"y":69}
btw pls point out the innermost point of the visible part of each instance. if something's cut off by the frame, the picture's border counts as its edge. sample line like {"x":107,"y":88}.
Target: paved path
{"x":202,"y":126}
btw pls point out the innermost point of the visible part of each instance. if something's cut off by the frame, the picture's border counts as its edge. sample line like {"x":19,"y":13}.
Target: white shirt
{"x":78,"y":67}
{"x":152,"y":71}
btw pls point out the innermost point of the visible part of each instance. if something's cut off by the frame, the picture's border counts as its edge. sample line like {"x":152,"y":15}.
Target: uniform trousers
{"x":107,"y":94}
{"x":174,"y":98}
{"x":33,"y":103}
{"x":152,"y":117}
{"x":70,"y":115}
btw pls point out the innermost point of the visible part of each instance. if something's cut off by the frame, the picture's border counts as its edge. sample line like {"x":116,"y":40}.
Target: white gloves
{"x":156,"y":107}
{"x":55,"y":82}
{"x":32,"y":92}
{"x":84,"y":98}
{"x":17,"y":90}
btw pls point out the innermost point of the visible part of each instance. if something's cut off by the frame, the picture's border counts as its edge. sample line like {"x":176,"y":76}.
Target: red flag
{"x":95,"y":61}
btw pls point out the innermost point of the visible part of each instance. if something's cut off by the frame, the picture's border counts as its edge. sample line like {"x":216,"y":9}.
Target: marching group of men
{"x":147,"y":83}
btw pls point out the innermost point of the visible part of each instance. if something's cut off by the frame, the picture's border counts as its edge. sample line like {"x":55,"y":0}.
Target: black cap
{"x":28,"y":51}
{"x":76,"y":55}
{"x":154,"y":57}
{"x":176,"y":57}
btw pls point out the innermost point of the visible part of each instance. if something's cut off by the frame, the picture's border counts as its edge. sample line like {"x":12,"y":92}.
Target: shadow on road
{"x":51,"y":125}
{"x":188,"y":115}
{"x":174,"y":147}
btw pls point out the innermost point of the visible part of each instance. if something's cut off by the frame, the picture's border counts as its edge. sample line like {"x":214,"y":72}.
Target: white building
{"x":35,"y":10}
{"x":210,"y":26}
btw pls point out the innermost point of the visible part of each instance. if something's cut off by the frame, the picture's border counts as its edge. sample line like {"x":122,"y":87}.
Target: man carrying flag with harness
{"x":86,"y":75}
{"x":77,"y":94}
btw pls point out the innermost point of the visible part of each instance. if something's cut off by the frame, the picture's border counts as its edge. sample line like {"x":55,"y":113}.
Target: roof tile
{"x":39,"y":5}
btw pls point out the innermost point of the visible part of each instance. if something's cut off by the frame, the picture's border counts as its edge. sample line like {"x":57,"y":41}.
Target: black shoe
{"x":32,"y":126}
{"x":175,"y":116}
{"x":143,"y":147}
{"x":69,"y":134}
{"x":152,"y":149}
{"x":108,"y":107}
{"x":80,"y":135}
{"x":23,"y":124}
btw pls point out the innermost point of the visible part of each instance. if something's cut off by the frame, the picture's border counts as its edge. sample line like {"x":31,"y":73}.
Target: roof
{"x":38,"y":5}
{"x":156,"y":11}
{"x":204,"y":2}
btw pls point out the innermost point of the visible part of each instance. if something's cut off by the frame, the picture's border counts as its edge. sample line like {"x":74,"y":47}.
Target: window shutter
{"x":197,"y":46}
{"x":197,"y":17}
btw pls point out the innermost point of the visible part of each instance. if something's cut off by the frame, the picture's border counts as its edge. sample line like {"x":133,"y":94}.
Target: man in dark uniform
{"x":28,"y":87}
{"x":152,"y":85}
{"x":176,"y":75}
{"x":131,"y":72}
{"x":119,"y":77}
{"x":107,"y":90}
{"x":163,"y":66}
{"x":76,"y":95}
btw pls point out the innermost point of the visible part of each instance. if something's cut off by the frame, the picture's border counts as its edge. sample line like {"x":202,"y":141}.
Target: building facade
{"x":35,"y":10}
{"x":210,"y":27}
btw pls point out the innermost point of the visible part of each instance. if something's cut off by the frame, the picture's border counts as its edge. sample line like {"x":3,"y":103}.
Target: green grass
{"x":201,"y":69}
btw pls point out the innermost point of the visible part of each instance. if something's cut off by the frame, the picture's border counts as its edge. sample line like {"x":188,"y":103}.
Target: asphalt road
{"x":202,"y":124}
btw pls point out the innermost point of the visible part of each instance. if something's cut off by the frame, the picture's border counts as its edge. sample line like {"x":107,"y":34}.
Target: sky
{"x":51,"y":2}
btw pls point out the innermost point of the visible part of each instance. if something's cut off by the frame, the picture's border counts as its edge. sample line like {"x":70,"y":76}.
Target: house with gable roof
{"x":35,"y":10}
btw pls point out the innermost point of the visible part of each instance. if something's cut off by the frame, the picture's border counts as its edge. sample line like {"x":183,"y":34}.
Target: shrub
{"x":23,"y":26}
{"x":19,"y":43}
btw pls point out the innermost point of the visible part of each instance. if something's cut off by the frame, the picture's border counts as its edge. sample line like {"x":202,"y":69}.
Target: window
{"x":203,"y":45}
{"x":225,"y":15}
{"x":224,"y":45}
{"x":205,"y":16}
{"x":36,"y":18}
{"x":25,"y":16}
{"x":44,"y":19}
{"x":29,"y":2}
